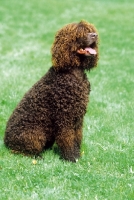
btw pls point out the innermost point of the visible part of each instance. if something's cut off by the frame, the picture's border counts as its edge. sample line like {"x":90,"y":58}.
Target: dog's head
{"x":75,"y":45}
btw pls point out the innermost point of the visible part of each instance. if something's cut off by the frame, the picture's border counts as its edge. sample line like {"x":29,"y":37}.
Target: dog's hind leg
{"x":29,"y":142}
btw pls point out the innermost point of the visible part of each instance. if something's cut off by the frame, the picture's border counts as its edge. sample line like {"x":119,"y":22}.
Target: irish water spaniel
{"x":53,"y":109}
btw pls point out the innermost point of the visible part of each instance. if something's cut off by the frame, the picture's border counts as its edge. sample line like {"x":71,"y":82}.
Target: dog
{"x":53,"y":109}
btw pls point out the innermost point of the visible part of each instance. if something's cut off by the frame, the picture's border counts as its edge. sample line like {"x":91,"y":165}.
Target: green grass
{"x":106,"y":168}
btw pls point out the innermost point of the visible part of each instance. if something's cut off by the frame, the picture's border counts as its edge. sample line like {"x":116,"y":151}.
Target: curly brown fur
{"x":53,"y":109}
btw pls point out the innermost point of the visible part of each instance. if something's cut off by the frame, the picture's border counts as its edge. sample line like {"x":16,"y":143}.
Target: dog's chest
{"x":70,"y":93}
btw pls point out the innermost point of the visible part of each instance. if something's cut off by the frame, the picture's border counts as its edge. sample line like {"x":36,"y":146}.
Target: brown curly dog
{"x":53,"y":109}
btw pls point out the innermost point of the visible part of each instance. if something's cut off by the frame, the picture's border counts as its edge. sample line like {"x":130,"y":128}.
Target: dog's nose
{"x":93,"y":35}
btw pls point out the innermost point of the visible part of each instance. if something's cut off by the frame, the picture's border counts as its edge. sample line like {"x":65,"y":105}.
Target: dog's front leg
{"x":68,"y":144}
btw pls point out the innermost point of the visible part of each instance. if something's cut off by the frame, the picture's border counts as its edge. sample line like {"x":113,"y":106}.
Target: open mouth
{"x":87,"y":51}
{"x":90,"y":50}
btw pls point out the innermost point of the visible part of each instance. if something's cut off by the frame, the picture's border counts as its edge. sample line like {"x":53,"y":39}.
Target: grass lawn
{"x":106,"y":168}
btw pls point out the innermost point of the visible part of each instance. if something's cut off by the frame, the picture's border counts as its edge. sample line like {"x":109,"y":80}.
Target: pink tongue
{"x":90,"y":50}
